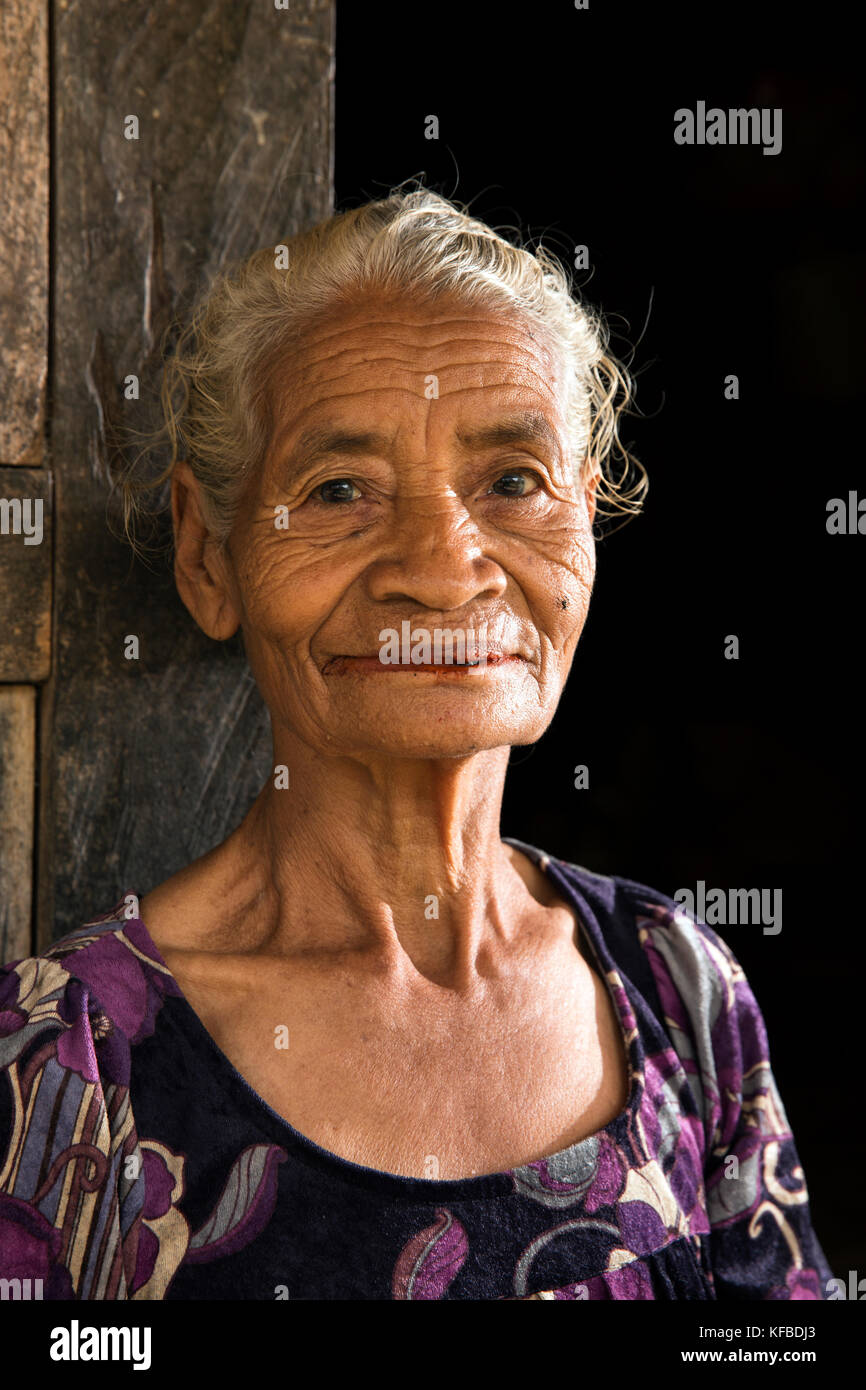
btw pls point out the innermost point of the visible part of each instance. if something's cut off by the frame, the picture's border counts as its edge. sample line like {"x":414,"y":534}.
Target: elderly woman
{"x":366,"y":1048}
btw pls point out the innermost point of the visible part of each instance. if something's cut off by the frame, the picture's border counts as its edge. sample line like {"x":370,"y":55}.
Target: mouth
{"x":373,"y":664}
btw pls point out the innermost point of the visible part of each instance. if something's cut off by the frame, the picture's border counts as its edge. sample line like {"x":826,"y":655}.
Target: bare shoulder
{"x":179,"y":913}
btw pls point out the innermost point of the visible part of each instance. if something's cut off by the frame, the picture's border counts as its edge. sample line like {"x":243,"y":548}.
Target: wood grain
{"x":25,"y":574}
{"x":23,"y":229}
{"x":17,"y":771}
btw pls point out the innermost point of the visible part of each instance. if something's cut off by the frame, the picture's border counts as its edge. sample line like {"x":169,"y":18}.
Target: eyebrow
{"x":526,"y":428}
{"x":320,"y":442}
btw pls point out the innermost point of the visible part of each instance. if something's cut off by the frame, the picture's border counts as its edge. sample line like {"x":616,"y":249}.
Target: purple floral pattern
{"x":694,"y":1191}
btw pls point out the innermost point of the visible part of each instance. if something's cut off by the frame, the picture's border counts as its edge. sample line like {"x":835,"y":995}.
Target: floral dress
{"x":137,"y":1163}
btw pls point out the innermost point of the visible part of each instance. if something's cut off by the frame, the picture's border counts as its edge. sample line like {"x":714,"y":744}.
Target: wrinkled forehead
{"x":388,"y":355}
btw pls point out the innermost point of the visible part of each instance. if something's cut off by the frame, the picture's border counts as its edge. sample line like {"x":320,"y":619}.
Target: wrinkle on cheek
{"x":271,"y":580}
{"x":263,"y":569}
{"x":582,"y":561}
{"x":569,"y":555}
{"x":570,"y":577}
{"x":563,"y":626}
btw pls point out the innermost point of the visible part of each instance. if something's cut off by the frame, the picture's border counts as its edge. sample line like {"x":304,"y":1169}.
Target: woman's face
{"x":419,"y":472}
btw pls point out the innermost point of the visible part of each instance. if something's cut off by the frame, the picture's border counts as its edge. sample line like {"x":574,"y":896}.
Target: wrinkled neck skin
{"x":401,"y":858}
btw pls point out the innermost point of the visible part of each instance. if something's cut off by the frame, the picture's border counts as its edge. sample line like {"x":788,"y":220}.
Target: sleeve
{"x":762,"y":1243}
{"x":64,"y":1138}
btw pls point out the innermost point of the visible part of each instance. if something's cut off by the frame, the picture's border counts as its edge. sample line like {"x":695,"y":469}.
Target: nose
{"x":435,"y":557}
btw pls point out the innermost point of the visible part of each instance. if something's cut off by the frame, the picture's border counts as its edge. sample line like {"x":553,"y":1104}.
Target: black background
{"x":706,"y":261}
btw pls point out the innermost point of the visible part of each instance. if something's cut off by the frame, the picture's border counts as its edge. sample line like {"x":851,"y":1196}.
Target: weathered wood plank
{"x":24,"y":131}
{"x":154,"y":760}
{"x":17,"y":773}
{"x":25,"y":574}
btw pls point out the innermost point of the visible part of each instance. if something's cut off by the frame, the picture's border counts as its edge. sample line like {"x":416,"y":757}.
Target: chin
{"x":442,"y":735}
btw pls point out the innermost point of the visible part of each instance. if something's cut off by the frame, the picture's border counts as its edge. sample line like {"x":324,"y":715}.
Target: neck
{"x":399,"y":859}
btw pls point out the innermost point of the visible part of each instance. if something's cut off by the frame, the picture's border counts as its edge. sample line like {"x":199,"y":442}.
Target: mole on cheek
{"x":564,"y":602}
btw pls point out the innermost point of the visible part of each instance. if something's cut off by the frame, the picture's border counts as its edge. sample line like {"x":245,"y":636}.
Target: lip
{"x":373,"y":665}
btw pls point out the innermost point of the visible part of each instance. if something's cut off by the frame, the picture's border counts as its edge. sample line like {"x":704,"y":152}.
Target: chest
{"x":426,"y":1087}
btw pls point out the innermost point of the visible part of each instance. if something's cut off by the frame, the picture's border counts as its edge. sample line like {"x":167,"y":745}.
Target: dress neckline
{"x":563,"y":1167}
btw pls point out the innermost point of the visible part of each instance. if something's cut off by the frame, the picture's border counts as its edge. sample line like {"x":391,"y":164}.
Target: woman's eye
{"x":337,"y":490}
{"x":517,"y":483}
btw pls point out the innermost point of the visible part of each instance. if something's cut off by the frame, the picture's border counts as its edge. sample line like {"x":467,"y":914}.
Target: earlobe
{"x":200,"y":569}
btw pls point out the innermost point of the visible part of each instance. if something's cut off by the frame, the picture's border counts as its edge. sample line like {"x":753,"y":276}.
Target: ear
{"x":591,"y":477}
{"x":201,"y":570}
